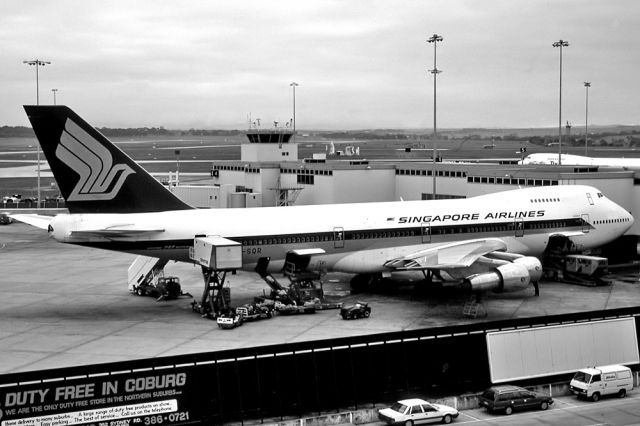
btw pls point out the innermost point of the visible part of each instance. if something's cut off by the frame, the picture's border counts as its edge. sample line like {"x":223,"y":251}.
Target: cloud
{"x":359,"y":63}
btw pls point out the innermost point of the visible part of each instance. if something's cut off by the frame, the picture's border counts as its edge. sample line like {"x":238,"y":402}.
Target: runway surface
{"x":65,"y":305}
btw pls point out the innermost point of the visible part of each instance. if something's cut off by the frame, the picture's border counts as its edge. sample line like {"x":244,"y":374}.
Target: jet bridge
{"x":216,"y":256}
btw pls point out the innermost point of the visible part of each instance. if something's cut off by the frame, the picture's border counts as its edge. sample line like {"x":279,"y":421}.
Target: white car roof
{"x":413,"y":401}
{"x":604,"y":369}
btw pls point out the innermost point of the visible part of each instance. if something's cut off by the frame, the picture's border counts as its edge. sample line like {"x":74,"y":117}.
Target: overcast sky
{"x":359,"y":64}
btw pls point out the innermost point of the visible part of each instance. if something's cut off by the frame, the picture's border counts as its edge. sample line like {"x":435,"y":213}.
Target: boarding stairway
{"x":143,"y":271}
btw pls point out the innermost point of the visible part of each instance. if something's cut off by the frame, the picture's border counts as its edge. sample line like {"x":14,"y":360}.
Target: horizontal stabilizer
{"x":455,"y":255}
{"x":39,"y":221}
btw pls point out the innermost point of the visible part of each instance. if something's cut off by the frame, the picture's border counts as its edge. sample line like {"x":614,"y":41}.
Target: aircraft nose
{"x":627,"y":216}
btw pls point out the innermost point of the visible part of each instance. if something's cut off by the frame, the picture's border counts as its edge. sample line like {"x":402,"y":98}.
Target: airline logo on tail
{"x":99,"y":178}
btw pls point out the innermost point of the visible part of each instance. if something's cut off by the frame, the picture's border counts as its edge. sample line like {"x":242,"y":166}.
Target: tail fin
{"x":93,"y":174}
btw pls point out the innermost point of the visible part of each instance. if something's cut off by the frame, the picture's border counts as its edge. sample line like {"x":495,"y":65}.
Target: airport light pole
{"x":177,"y":152}
{"x":560,"y":44}
{"x":587,"y":84}
{"x":37,"y":63}
{"x":54,"y":95}
{"x":435,"y":71}
{"x":294,"y":85}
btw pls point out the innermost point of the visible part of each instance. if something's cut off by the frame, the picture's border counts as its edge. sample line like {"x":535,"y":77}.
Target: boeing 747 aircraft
{"x":488,"y":242}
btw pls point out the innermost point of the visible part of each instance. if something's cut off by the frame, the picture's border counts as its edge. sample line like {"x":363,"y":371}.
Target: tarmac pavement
{"x":65,"y":305}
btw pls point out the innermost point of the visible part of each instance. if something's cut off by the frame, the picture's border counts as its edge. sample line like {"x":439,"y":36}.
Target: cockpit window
{"x":589,"y":198}
{"x":600,"y":195}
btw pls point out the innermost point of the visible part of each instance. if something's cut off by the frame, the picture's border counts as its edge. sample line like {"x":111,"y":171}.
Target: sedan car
{"x":508,"y":398}
{"x":414,"y":411}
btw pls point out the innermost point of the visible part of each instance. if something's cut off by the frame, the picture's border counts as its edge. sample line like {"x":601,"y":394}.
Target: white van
{"x":599,"y":381}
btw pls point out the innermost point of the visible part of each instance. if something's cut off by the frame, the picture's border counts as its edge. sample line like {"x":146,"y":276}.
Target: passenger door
{"x":431,"y":414}
{"x":513,"y":399}
{"x":426,"y":232}
{"x":596,"y":384}
{"x":417,"y":415}
{"x":519,"y":226}
{"x":338,"y":237}
{"x":528,"y":400}
{"x":585,"y":223}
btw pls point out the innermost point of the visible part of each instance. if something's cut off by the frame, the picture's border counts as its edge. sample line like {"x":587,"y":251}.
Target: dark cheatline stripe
{"x":418,"y":233}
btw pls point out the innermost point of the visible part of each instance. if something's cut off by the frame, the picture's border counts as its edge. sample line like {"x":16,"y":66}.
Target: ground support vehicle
{"x":328,"y":305}
{"x":290,"y":309}
{"x":356,"y":310}
{"x":579,"y":269}
{"x":164,"y":288}
{"x":304,"y":289}
{"x":508,"y":398}
{"x":595,"y":382}
{"x":414,"y":411}
{"x":5,"y":219}
{"x":303,"y":295}
{"x":255,"y":311}
{"x":230,"y":319}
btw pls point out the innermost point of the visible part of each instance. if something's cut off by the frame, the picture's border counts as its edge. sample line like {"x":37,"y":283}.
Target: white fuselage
{"x":360,"y":238}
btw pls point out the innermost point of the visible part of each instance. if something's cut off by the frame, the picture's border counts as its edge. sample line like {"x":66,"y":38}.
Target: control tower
{"x":269,"y":145}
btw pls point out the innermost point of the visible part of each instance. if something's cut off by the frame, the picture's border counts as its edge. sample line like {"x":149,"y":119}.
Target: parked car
{"x":508,"y":398}
{"x":356,"y":310}
{"x":410,"y":411}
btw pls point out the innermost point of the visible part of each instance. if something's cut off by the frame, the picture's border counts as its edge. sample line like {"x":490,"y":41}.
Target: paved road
{"x":566,"y":411}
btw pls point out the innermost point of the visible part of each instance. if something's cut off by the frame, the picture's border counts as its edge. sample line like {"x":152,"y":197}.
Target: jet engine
{"x":508,"y":277}
{"x":533,"y":265}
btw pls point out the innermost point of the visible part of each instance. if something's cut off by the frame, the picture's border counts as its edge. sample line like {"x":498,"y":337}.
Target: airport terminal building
{"x":270,"y":174}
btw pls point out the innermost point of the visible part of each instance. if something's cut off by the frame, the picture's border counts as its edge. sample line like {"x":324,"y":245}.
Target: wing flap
{"x":569,"y":234}
{"x":460,"y":254}
{"x":118,"y":231}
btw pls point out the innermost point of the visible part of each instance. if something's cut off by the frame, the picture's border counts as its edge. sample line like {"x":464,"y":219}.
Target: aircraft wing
{"x":118,"y":231}
{"x":37,"y":220}
{"x":569,"y":234}
{"x":460,"y":254}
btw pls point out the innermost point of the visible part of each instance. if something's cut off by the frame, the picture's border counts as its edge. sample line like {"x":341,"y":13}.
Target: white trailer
{"x":544,"y":351}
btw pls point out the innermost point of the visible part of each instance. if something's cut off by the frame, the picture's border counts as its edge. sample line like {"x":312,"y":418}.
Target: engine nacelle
{"x":533,"y":265}
{"x":509,"y":277}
